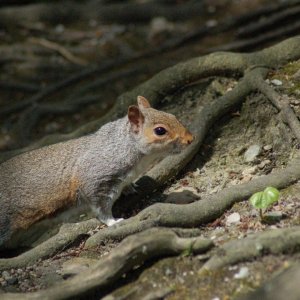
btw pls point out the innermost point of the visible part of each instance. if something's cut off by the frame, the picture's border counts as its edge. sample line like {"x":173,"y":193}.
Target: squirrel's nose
{"x":188,"y":138}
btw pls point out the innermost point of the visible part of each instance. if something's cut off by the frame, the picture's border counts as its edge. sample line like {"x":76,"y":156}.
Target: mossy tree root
{"x":132,"y":252}
{"x":67,"y":234}
{"x":275,"y":241}
{"x":199,"y":212}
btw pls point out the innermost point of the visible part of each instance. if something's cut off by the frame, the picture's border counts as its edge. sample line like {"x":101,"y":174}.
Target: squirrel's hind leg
{"x":102,"y":199}
{"x":104,"y":214}
{"x":102,"y":206}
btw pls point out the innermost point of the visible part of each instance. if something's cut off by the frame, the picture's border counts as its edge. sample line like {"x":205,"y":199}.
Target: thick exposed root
{"x":132,"y":252}
{"x":276,"y":241}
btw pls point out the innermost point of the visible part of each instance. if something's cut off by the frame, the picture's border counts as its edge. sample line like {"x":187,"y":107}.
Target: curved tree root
{"x":275,"y":241}
{"x":282,"y":103}
{"x":200,"y":212}
{"x":283,"y":286}
{"x":171,"y":165}
{"x":133,"y":251}
{"x":171,"y":79}
{"x":67,"y":234}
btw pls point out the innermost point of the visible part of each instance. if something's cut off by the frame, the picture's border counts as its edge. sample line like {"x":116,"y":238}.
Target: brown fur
{"x":37,"y":184}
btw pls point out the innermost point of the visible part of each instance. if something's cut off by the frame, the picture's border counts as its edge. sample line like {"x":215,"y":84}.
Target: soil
{"x":221,"y":162}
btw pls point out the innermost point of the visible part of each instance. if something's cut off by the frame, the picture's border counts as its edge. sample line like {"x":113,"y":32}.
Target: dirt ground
{"x":222,"y":161}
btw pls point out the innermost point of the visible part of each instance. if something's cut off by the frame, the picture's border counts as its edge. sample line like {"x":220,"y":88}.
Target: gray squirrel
{"x":39,"y":183}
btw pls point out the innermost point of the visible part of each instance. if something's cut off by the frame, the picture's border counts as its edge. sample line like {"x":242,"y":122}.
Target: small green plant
{"x":264,"y":199}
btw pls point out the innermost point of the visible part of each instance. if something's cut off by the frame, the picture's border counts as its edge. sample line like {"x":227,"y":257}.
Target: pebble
{"x":273,"y":216}
{"x":295,"y":102}
{"x":168,"y":272}
{"x":242,"y":273}
{"x":252,"y":152}
{"x":233,"y":218}
{"x":264,"y":163}
{"x":276,"y":82}
{"x":8,"y":279}
{"x":268,"y":147}
{"x":250,"y":171}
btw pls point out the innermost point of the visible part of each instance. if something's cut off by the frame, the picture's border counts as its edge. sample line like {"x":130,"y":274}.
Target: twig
{"x":60,"y":49}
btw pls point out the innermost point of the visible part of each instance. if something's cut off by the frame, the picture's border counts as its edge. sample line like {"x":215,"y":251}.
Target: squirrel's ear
{"x":135,"y":117}
{"x":143,"y":102}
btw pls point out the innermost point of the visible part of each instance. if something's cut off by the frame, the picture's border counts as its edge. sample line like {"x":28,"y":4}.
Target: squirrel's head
{"x":156,"y":130}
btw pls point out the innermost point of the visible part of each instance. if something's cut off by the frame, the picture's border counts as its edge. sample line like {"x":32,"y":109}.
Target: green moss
{"x":285,"y":74}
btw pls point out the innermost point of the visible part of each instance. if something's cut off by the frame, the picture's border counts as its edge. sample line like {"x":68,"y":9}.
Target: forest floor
{"x":223,"y":160}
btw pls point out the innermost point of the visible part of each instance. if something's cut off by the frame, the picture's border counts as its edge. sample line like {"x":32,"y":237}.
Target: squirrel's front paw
{"x":111,"y":222}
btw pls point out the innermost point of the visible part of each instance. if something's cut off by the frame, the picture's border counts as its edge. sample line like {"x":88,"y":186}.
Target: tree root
{"x":199,"y":212}
{"x":283,"y":286}
{"x":250,"y":43}
{"x":67,"y":234}
{"x":168,"y":81}
{"x":121,"y":13}
{"x":132,"y":252}
{"x":282,"y":103}
{"x":171,"y":165}
{"x":275,"y":19}
{"x":275,"y":241}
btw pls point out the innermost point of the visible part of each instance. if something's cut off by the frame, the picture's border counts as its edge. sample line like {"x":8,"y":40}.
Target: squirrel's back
{"x":45,"y":173}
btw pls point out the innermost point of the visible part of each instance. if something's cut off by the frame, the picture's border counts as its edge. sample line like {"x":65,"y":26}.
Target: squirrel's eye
{"x":160,"y":131}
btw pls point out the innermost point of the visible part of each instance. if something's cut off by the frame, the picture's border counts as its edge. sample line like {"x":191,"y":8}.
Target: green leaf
{"x":264,"y":199}
{"x":256,"y":200}
{"x":271,"y":195}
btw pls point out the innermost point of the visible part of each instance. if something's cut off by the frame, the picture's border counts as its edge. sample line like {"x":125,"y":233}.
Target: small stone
{"x":252,"y":152}
{"x":295,"y":101}
{"x":233,"y":218}
{"x":250,"y":171}
{"x":264,"y":163}
{"x":242,"y":273}
{"x":268,"y":147}
{"x":273,"y":217}
{"x":276,"y":82}
{"x":12,"y":280}
{"x":168,"y":272}
{"x":5,"y":275}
